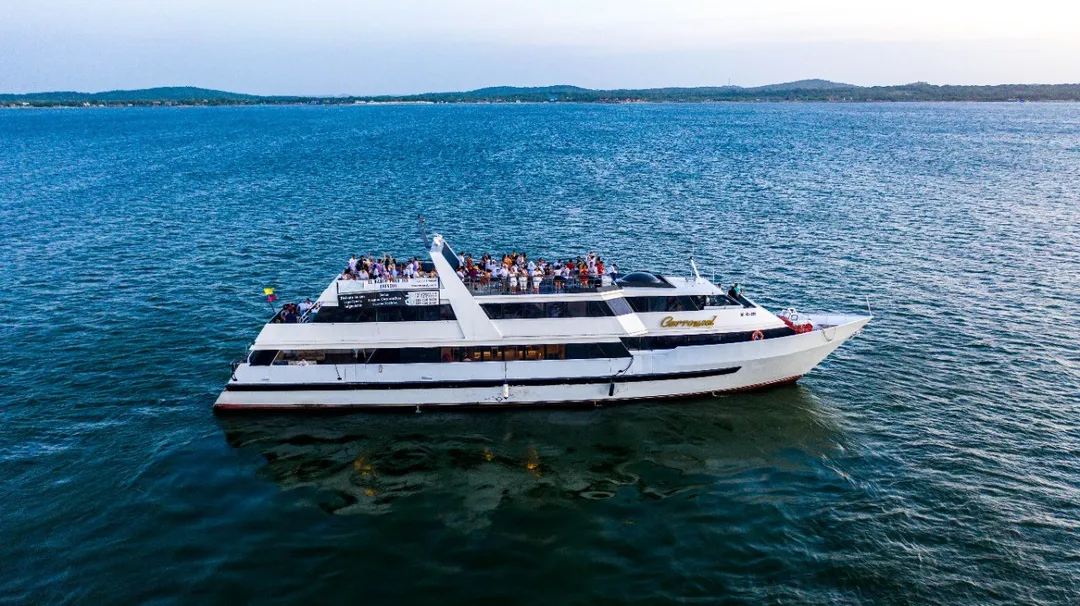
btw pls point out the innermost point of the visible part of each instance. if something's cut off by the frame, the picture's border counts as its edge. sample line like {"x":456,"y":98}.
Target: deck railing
{"x":546,"y":286}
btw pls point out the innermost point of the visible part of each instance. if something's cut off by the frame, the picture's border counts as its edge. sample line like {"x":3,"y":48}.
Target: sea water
{"x":934,"y":458}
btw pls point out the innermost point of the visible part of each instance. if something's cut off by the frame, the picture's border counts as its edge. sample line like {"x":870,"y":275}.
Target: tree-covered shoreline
{"x":804,"y":90}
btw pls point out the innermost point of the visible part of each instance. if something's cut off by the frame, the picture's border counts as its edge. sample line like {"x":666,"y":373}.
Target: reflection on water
{"x":369,"y":463}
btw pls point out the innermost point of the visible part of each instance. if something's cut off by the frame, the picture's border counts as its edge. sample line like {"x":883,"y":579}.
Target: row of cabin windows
{"x":556,"y":309}
{"x":396,"y":313}
{"x":673,"y":341}
{"x":418,"y":355}
{"x":677,"y":303}
{"x":598,"y":309}
{"x":516,"y":311}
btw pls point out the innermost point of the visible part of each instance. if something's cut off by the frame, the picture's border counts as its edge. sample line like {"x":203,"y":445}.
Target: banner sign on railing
{"x":352,"y":286}
{"x":422,"y":297}
{"x":389,"y":298}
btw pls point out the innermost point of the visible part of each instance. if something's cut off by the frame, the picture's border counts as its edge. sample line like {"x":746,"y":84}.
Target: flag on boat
{"x":268,"y":291}
{"x":270,"y":296}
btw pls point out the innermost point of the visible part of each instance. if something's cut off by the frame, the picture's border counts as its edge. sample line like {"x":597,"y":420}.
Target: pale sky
{"x":410,"y":46}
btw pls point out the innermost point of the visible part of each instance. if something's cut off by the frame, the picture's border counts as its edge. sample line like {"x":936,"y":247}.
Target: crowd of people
{"x":293,"y":313}
{"x":515,"y":272}
{"x":385,"y":268}
{"x":510,"y":272}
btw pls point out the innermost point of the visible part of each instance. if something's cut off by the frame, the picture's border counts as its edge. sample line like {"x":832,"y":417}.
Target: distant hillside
{"x":805,"y":85}
{"x":801,"y":90}
{"x":165,"y":93}
{"x":559,"y":89}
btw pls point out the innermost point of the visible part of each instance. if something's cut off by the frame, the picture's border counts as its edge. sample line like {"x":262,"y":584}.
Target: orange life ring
{"x":757,"y":336}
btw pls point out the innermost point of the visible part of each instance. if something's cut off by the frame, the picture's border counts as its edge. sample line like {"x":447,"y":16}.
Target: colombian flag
{"x":270,"y":296}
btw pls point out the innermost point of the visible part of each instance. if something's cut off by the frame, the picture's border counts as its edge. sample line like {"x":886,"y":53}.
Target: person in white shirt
{"x":352,"y":263}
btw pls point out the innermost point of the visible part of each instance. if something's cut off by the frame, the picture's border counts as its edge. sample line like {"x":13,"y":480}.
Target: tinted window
{"x":599,"y":309}
{"x":662,"y":304}
{"x":620,"y":307}
{"x":405,"y":313}
{"x":551,"y":309}
{"x":717,"y":300}
{"x":414,"y":355}
{"x":262,"y":357}
{"x":673,"y":341}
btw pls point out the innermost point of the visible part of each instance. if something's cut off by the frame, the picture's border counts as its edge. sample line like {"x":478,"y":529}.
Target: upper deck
{"x":456,"y":289}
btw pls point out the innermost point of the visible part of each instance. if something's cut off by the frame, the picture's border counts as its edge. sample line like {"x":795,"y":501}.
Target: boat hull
{"x":676,"y":373}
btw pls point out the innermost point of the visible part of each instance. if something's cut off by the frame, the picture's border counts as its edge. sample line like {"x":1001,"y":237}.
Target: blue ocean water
{"x":933,"y":459}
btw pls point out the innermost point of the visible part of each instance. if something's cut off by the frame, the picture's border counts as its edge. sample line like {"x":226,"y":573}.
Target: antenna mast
{"x":423,"y":233}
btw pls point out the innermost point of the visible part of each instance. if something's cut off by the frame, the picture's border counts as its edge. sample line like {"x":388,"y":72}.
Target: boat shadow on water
{"x":472,"y":464}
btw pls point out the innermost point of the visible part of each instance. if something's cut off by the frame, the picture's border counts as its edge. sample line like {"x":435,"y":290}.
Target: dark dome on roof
{"x":641,"y":278}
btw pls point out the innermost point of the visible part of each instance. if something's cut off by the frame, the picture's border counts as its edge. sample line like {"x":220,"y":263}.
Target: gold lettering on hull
{"x":669,"y":322}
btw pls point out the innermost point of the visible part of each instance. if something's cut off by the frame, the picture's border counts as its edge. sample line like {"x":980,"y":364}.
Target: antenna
{"x":693,"y":266}
{"x":423,"y":233}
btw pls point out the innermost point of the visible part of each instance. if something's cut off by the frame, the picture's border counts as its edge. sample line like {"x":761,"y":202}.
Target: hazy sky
{"x":410,"y":46}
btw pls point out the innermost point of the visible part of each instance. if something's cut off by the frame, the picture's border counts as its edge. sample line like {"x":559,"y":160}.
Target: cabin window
{"x":620,"y":307}
{"x":552,"y":309}
{"x":397,"y":313}
{"x":715,"y":301}
{"x":673,"y":341}
{"x":663,"y":304}
{"x":262,"y":357}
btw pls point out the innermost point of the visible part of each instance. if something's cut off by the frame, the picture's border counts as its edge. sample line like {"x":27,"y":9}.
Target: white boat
{"x":442,"y":341}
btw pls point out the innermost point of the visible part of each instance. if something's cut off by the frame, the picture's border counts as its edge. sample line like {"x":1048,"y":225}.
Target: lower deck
{"x":637,"y":374}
